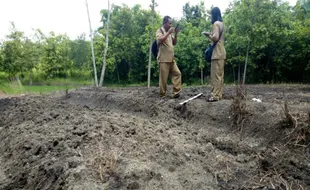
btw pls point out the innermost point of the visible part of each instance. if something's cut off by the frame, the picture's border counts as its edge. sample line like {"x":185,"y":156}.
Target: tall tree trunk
{"x":246,"y":61}
{"x":31,"y":76}
{"x":234,"y":73}
{"x":201,"y":75}
{"x":118,"y":78}
{"x":106,"y":47}
{"x":19,"y":84}
{"x":239,"y":71}
{"x":92,"y":46}
{"x":150,"y":50}
{"x":239,"y":74}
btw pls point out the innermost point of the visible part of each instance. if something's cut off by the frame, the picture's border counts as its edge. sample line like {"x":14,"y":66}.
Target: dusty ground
{"x":130,"y":139}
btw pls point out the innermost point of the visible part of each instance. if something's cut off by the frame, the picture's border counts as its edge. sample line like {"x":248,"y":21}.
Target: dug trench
{"x":130,"y":139}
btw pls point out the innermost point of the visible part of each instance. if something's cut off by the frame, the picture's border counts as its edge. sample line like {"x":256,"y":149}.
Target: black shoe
{"x":211,"y":99}
{"x":176,"y":96}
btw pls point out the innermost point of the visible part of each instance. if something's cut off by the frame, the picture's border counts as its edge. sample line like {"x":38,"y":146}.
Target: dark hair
{"x":166,"y":19}
{"x":216,"y":15}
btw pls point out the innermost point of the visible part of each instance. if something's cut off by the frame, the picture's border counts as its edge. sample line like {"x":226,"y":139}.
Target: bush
{"x":37,"y":77}
{"x":3,"y":77}
{"x":79,"y":74}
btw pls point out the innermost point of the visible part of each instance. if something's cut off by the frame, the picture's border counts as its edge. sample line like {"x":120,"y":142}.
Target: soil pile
{"x":130,"y":139}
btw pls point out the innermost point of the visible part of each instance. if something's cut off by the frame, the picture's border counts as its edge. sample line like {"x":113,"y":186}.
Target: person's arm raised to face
{"x":175,"y":39}
{"x":164,"y":37}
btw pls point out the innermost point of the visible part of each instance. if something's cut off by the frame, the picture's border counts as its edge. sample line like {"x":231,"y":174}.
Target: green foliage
{"x":12,"y":52}
{"x":194,"y":14}
{"x":79,"y":53}
{"x":128,"y":44}
{"x":1,"y":58}
{"x":56,"y":60}
{"x":191,"y":62}
{"x":3,"y":77}
{"x":277,"y":35}
{"x":275,"y":45}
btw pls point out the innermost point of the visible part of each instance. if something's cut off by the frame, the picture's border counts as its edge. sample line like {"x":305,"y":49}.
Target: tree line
{"x":271,"y":37}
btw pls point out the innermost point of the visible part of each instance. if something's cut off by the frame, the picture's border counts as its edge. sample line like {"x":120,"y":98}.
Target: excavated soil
{"x":130,"y":139}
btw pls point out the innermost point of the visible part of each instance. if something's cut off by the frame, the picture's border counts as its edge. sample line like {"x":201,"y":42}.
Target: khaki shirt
{"x":219,"y":51}
{"x":166,"y":49}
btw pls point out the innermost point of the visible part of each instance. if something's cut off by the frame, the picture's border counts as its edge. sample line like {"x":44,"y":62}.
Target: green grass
{"x":9,"y":89}
{"x":46,"y":86}
{"x":59,"y":81}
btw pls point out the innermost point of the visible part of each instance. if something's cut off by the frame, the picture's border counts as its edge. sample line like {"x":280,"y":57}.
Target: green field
{"x":7,"y":89}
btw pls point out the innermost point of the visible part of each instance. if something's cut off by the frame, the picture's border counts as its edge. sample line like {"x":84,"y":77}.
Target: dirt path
{"x":129,"y":139}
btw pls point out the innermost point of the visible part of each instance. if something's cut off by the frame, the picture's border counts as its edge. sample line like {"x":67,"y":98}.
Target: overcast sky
{"x":70,"y":16}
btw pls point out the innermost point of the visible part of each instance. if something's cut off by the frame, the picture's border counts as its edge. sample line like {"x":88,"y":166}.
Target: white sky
{"x":70,"y":16}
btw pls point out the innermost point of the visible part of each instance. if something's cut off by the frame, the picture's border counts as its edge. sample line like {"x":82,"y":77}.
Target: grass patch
{"x":56,"y":84}
{"x":68,"y":81}
{"x":9,"y":89}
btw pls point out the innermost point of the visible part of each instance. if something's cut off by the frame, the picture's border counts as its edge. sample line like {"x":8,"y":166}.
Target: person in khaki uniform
{"x":218,"y":59}
{"x":166,"y":39}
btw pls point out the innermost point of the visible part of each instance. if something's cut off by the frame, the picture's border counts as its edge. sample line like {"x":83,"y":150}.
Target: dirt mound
{"x":130,"y":139}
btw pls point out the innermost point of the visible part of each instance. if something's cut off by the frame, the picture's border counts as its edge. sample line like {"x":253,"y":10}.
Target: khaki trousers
{"x":169,"y":69}
{"x":217,"y":78}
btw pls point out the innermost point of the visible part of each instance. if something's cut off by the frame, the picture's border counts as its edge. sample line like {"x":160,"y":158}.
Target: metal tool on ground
{"x":192,"y":98}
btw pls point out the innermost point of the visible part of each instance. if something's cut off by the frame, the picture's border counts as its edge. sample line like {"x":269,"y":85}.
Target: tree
{"x":193,"y":14}
{"x":12,"y":62}
{"x":128,"y":43}
{"x":106,"y":47}
{"x":260,"y":37}
{"x":151,"y":41}
{"x":189,"y":52}
{"x":79,"y":54}
{"x":31,"y":57}
{"x":191,"y":44}
{"x":302,"y":37}
{"x":1,"y":57}
{"x":92,"y":46}
{"x":268,"y":36}
{"x":305,"y":4}
{"x":56,"y":59}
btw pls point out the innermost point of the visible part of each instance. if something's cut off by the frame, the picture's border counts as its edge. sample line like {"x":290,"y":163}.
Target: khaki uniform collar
{"x":163,"y":29}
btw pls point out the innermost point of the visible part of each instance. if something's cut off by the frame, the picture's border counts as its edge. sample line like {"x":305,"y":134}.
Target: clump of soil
{"x":131,"y":139}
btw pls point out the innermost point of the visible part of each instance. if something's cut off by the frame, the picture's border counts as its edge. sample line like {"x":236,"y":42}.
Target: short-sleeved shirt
{"x":166,"y":49}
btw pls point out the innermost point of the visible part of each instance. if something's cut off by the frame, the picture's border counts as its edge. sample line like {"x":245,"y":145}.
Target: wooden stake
{"x":192,"y":98}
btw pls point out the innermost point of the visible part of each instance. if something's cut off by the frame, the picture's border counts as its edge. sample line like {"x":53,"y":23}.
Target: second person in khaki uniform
{"x":166,"y":39}
{"x":218,"y":59}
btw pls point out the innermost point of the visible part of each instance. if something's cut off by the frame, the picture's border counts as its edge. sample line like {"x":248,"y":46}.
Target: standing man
{"x":166,"y":39}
